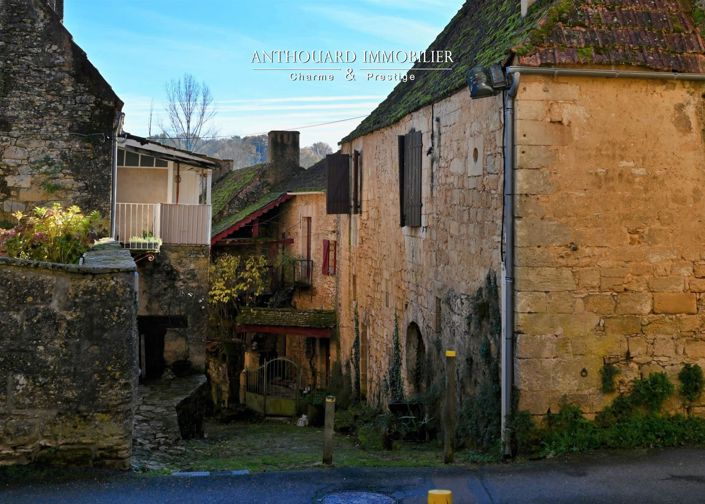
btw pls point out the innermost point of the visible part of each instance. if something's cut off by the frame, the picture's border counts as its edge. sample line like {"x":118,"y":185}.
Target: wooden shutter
{"x":401,"y":141}
{"x":332,"y":257}
{"x":338,"y":192}
{"x":356,"y":182}
{"x":326,"y":256}
{"x":413,"y":216}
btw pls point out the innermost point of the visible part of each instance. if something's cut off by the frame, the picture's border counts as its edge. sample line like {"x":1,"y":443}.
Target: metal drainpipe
{"x":507,"y":343}
{"x":119,"y":119}
{"x":609,"y":74}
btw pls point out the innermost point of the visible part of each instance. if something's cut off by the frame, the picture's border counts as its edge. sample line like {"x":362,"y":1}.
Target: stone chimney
{"x":282,"y":155}
{"x":525,"y":4}
{"x":58,"y":7}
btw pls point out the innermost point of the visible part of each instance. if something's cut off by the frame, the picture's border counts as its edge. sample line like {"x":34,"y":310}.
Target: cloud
{"x":395,"y":28}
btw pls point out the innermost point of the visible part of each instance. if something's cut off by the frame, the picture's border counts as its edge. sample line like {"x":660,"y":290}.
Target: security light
{"x":486,"y":81}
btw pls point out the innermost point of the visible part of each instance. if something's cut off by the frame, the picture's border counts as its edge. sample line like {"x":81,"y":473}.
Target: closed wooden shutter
{"x":326,"y":251}
{"x":338,"y":191}
{"x":413,"y":152}
{"x":356,"y":182}
{"x":401,"y":143}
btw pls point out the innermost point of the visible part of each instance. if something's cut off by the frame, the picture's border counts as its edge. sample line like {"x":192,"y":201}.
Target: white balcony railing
{"x":145,"y":226}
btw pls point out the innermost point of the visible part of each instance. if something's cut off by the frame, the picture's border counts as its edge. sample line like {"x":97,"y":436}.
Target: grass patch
{"x":272,"y":446}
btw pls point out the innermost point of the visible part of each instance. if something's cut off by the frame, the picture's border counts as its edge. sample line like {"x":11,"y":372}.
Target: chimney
{"x":525,"y":4}
{"x":58,"y":7}
{"x":282,"y":155}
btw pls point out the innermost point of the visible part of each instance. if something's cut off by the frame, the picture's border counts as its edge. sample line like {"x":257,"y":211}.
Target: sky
{"x":140,"y":45}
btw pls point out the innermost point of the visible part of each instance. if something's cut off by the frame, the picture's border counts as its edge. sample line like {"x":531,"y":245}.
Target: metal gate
{"x":273,"y":388}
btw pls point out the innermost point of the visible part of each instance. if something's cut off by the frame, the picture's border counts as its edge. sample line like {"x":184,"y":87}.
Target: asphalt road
{"x":663,"y":476}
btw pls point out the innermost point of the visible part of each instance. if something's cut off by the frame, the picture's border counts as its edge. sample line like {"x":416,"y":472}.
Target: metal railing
{"x":138,"y":225}
{"x":145,"y":226}
{"x":273,"y":388}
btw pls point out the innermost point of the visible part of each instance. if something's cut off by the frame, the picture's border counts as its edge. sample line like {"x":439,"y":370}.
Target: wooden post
{"x":328,"y":431}
{"x":243,"y":387}
{"x":451,"y":415}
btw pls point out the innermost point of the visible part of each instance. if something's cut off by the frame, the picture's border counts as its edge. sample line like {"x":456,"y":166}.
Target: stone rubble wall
{"x":56,"y":115}
{"x":609,"y":233}
{"x":176,"y":284}
{"x":388,"y":270}
{"x":68,"y":360}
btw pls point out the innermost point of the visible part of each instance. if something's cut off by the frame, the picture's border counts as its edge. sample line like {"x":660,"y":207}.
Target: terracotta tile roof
{"x":654,"y":34}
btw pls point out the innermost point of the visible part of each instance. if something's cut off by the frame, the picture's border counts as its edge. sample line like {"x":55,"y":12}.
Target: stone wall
{"x":57,"y":115}
{"x":321,"y":296}
{"x":610,"y":235}
{"x":68,"y":360}
{"x":175,"y":284}
{"x":427,"y":275}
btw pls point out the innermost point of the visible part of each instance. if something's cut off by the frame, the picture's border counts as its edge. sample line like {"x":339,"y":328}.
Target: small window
{"x":329,"y":257}
{"x":410,"y":156}
{"x":121,"y":157}
{"x":147,"y":161}
{"x":161,"y":163}
{"x":132,"y":159}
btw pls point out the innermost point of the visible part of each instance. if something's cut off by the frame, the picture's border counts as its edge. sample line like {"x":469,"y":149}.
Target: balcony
{"x":145,"y":226}
{"x":303,"y":273}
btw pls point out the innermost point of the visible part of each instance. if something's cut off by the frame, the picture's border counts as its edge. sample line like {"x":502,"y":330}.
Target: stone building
{"x":58,"y":116}
{"x":565,"y":204}
{"x":278,"y":210}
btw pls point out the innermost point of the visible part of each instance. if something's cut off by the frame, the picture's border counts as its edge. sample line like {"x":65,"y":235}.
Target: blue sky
{"x":139,"y":45}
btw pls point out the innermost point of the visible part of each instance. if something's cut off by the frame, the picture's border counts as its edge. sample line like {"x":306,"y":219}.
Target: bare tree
{"x":189,"y":110}
{"x":149,"y":120}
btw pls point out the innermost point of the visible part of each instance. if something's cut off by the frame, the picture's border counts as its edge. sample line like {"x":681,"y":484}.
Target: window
{"x":357,"y":183}
{"x":338,"y":190}
{"x":129,"y":158}
{"x":132,"y":158}
{"x":410,"y":155}
{"x":329,"y":257}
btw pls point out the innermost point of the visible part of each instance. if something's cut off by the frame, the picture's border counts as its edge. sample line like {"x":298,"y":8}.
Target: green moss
{"x":228,"y":221}
{"x":230,"y":185}
{"x":289,"y":317}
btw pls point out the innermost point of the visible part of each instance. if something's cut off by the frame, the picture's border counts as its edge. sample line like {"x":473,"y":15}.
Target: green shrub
{"x":691,"y":378}
{"x":53,"y":234}
{"x":608,"y":372}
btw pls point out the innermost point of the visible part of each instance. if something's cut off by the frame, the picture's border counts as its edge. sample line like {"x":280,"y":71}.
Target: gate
{"x":273,"y":388}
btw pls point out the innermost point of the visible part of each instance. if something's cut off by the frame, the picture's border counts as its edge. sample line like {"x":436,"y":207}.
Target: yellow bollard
{"x":440,"y":497}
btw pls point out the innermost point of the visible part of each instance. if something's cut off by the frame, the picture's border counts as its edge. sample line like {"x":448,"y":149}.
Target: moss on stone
{"x":287,"y":317}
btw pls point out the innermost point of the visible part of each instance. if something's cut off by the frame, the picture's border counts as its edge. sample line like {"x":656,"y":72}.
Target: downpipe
{"x":119,"y":120}
{"x":507,"y":341}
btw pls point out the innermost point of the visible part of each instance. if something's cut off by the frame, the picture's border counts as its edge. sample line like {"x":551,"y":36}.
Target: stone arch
{"x":415,"y":358}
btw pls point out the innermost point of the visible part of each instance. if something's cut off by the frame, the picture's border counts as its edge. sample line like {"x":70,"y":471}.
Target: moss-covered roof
{"x":287,"y":317}
{"x":232,"y":219}
{"x":655,"y":34}
{"x":227,"y":187}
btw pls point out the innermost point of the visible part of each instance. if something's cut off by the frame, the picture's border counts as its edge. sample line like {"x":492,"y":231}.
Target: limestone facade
{"x":609,"y":228}
{"x":424,"y":276}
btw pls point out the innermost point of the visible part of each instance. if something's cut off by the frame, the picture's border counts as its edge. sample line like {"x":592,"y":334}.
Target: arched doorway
{"x":415,"y":359}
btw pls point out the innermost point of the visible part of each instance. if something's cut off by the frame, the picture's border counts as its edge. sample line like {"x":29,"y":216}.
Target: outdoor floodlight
{"x":486,"y":81}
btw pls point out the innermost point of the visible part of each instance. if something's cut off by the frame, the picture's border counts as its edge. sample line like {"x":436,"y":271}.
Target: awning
{"x":311,"y":323}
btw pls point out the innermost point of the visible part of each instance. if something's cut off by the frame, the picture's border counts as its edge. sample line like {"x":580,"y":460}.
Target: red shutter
{"x":326,"y":255}
{"x":333,"y":257}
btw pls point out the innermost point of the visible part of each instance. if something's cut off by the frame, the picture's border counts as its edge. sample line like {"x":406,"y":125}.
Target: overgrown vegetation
{"x":633,"y":420}
{"x":53,"y":234}
{"x":394,"y":380}
{"x":608,"y":373}
{"x":691,"y":387}
{"x":237,"y":281}
{"x":479,"y":424}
